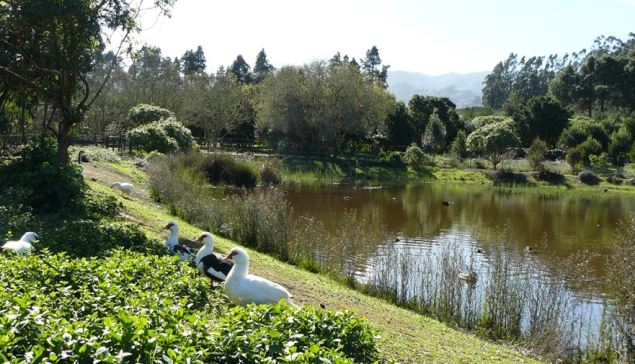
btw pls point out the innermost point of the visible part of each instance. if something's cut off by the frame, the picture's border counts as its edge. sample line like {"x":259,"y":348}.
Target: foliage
{"x":370,"y":65}
{"x":320,"y":109}
{"x":587,"y":177}
{"x":257,"y":334}
{"x":542,"y":117}
{"x":414,"y":156}
{"x":459,"y":146}
{"x":46,"y":186}
{"x":163,"y":136}
{"x":49,"y":49}
{"x":422,"y":109}
{"x":220,"y":169}
{"x":493,"y":140}
{"x":536,"y":155}
{"x":145,"y":114}
{"x":575,"y":157}
{"x":193,"y":61}
{"x":217,"y":104}
{"x":620,"y":147}
{"x":392,"y":159}
{"x":434,"y":136}
{"x":80,"y":310}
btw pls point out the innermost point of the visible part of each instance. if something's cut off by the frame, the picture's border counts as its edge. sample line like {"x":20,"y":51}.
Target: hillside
{"x":463,"y":89}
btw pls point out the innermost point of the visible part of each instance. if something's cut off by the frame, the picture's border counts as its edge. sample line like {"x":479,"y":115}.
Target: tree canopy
{"x":48,"y":49}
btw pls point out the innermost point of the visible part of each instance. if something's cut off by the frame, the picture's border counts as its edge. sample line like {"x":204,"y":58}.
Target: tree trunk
{"x":63,"y":142}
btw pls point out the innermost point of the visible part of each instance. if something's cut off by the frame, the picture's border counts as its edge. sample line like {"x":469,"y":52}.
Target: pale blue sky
{"x":426,"y":36}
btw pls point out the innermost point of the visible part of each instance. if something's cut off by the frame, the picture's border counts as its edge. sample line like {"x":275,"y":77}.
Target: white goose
{"x":124,"y":187}
{"x":213,"y":266}
{"x":172,"y":245}
{"x":244,"y":288}
{"x":22,"y":246}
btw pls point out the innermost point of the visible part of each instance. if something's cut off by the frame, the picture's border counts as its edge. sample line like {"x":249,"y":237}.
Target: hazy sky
{"x":428,"y":36}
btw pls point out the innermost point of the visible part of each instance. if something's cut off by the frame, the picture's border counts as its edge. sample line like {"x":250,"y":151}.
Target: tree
{"x":50,"y":47}
{"x":241,"y":70}
{"x":542,"y":117}
{"x":399,"y":132}
{"x":620,"y":147}
{"x":493,"y":140}
{"x":192,"y":62}
{"x":563,"y":87}
{"x":371,"y":65}
{"x":459,"y":146}
{"x":536,"y":155}
{"x":434,"y":136}
{"x":262,"y":68}
{"x":215,"y":103}
{"x":421,"y":109}
{"x":320,"y":109}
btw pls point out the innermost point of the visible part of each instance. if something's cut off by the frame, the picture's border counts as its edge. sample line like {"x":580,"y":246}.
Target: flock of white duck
{"x":240,"y":286}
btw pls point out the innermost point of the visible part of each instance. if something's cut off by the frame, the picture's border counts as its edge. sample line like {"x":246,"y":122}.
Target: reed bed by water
{"x":501,"y":295}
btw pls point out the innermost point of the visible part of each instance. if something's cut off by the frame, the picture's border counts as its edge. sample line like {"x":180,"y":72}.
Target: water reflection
{"x":553,"y":227}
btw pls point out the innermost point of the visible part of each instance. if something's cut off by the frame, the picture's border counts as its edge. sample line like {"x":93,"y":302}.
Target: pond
{"x":415,"y":215}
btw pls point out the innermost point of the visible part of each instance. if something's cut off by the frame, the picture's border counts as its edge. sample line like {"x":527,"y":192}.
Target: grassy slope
{"x":405,"y":336}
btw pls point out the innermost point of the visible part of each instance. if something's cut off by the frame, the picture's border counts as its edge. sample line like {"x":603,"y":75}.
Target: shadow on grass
{"x":508,"y":177}
{"x":552,"y":178}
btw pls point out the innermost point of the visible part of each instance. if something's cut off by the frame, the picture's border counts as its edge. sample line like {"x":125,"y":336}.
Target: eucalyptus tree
{"x":48,"y":48}
{"x":215,"y":103}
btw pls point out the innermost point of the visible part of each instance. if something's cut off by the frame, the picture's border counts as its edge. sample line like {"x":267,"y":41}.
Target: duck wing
{"x":215,"y":267}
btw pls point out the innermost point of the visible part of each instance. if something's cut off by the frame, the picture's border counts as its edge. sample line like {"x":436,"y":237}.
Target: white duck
{"x":124,"y":187}
{"x":244,"y":288}
{"x":172,"y":245}
{"x":213,"y":266}
{"x":22,"y":246}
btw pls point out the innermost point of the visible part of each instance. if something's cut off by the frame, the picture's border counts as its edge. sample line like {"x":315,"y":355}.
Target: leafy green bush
{"x":391,"y":159}
{"x":163,"y":136}
{"x":46,"y":185}
{"x":151,"y":137}
{"x":257,"y":334}
{"x":536,"y":155}
{"x":145,"y":114}
{"x":414,"y":156}
{"x":220,"y":169}
{"x":56,"y":309}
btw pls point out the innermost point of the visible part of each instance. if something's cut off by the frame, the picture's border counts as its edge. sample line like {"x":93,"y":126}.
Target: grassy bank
{"x":403,"y":335}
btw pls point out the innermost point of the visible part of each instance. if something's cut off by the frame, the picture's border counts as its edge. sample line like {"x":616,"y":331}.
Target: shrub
{"x":549,"y":176}
{"x":507,"y":176}
{"x":575,"y":156}
{"x":256,"y":334}
{"x":536,"y":155}
{"x":151,"y":137}
{"x":46,"y":185}
{"x":414,"y":156}
{"x":270,"y":173}
{"x":587,"y":177}
{"x":178,"y":132}
{"x":393,"y":159}
{"x":145,"y":114}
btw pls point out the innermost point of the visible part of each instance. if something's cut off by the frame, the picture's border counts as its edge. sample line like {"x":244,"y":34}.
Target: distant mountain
{"x":463,"y":90}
